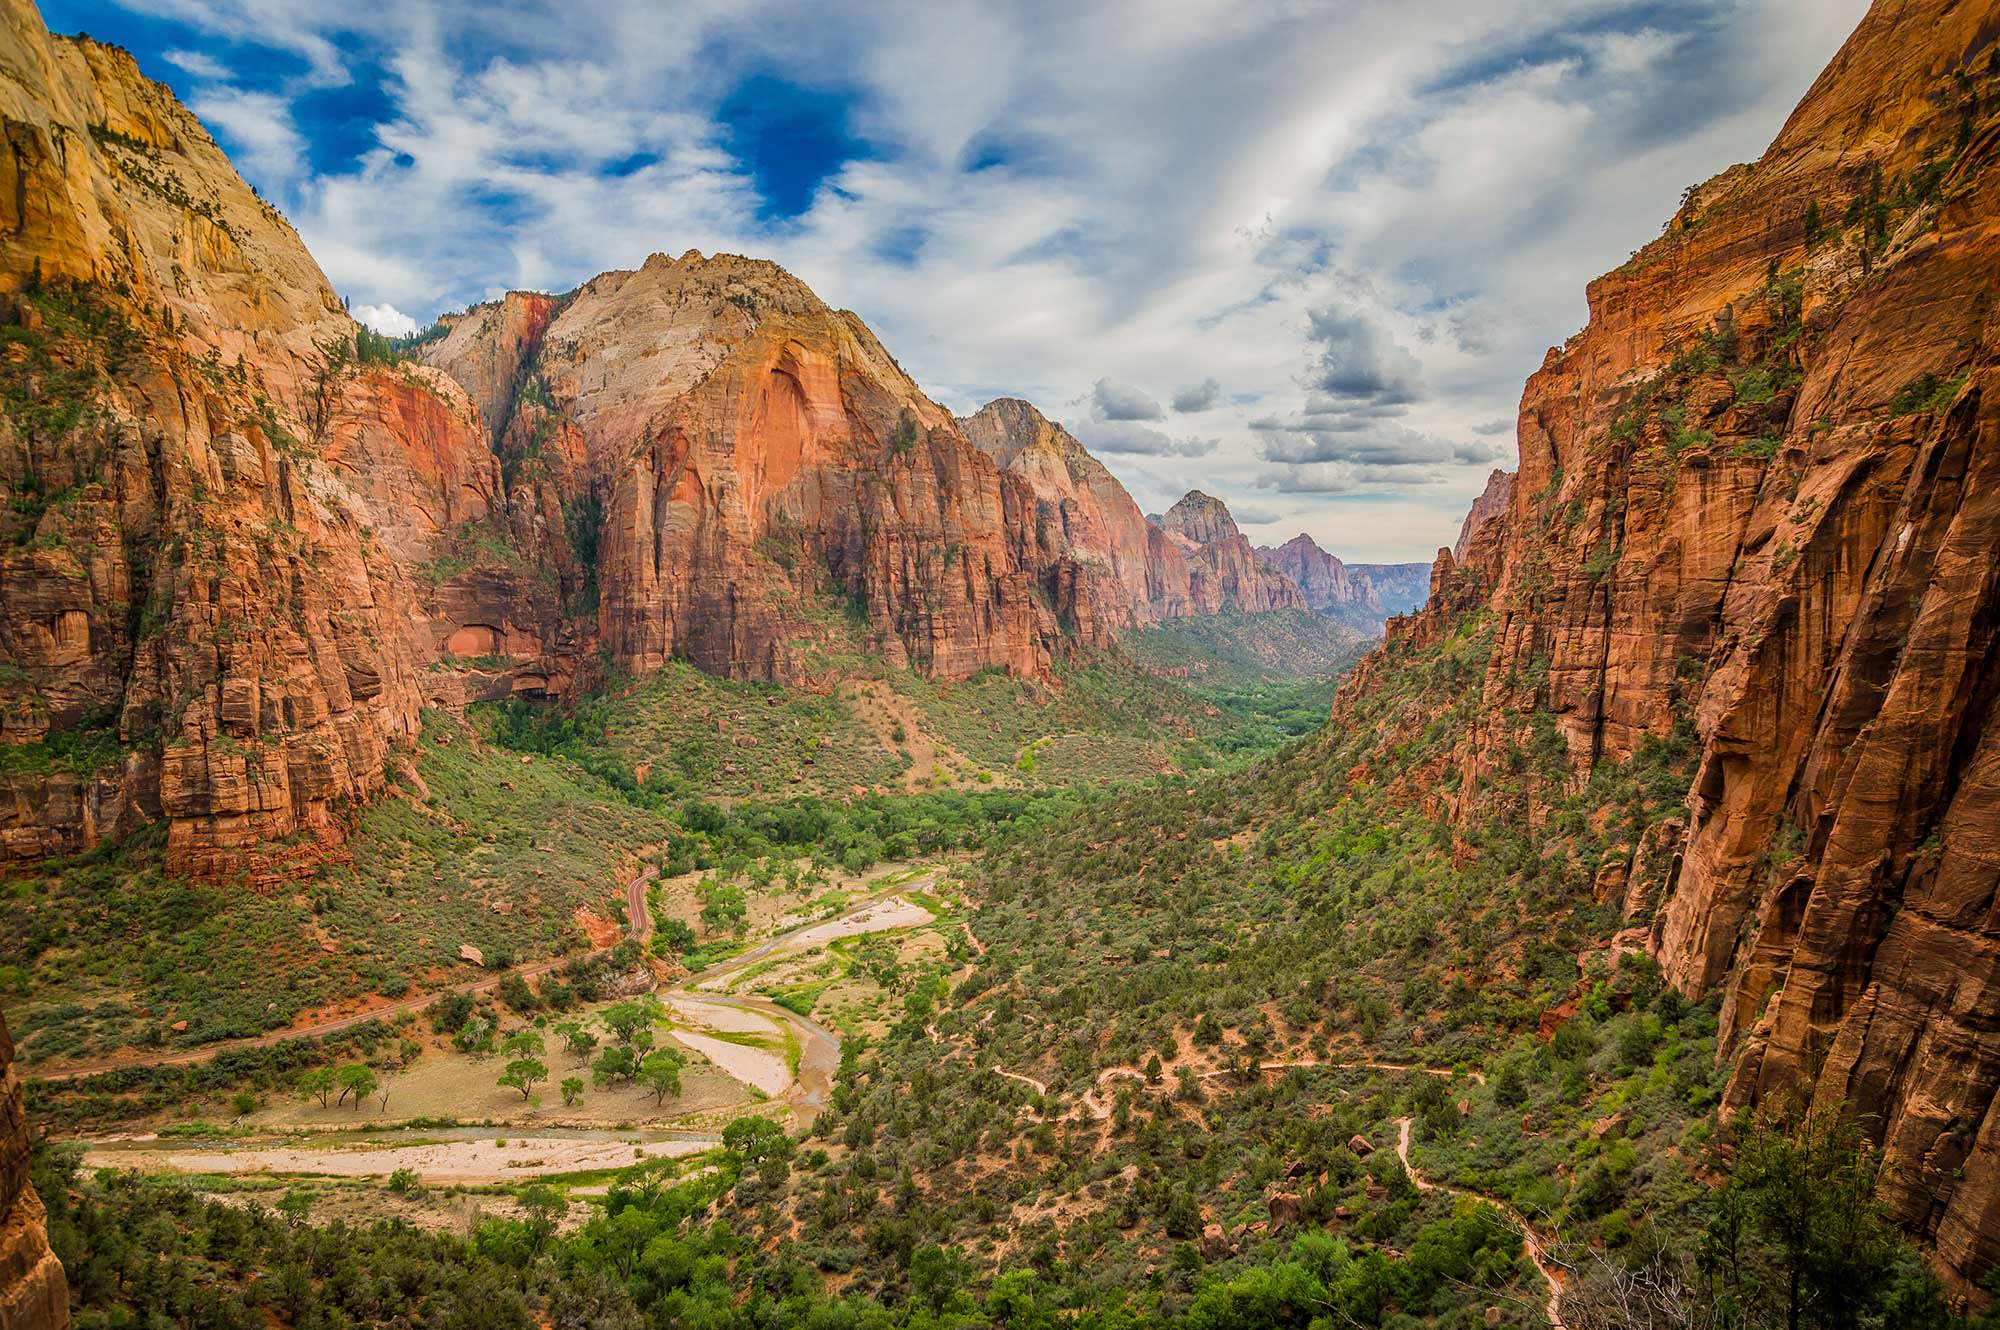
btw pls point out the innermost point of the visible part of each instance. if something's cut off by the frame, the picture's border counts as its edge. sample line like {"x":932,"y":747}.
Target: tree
{"x":1509,"y":1089}
{"x":545,"y":1205}
{"x":937,"y":1275}
{"x":617,"y":1063}
{"x":671,"y":937}
{"x":524,"y":1074}
{"x":358,"y":1080}
{"x":625,"y":1019}
{"x":757,"y":1139}
{"x":661,"y":1073}
{"x":523,"y":1043}
{"x":1797,"y":1238}
{"x":295,"y":1205}
{"x":319,"y":1083}
{"x":572,"y":1090}
{"x":724,"y":909}
{"x":578,"y":1037}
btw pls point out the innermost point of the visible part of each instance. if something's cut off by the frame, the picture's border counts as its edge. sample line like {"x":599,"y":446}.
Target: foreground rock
{"x":33,"y":1293}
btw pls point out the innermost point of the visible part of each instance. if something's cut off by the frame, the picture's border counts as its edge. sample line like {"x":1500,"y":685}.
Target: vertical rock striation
{"x":1759,"y":501}
{"x":1226,"y":572}
{"x":211,"y":562}
{"x":34,"y":1295}
{"x":1086,"y":530}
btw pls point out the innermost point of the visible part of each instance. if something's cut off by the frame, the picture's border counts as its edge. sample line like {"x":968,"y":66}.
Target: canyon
{"x":1365,"y":594}
{"x":1752,"y":527}
{"x":255,"y":543}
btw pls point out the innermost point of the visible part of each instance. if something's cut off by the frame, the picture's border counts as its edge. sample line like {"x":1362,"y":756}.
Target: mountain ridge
{"x":696,"y":459}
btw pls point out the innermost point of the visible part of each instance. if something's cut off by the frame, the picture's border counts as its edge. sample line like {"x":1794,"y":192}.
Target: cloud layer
{"x":1335,"y":238}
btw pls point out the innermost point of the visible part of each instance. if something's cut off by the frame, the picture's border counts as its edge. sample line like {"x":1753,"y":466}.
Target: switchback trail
{"x":1530,"y":1239}
{"x":635,"y":905}
{"x":1537,"y":1253}
{"x":1101,"y":1111}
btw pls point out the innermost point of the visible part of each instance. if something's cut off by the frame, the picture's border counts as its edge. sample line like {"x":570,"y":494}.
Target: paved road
{"x":635,"y":906}
{"x":641,"y":929}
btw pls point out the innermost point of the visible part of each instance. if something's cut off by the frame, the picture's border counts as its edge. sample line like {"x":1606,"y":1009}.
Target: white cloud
{"x":1197,"y":398}
{"x":1133,"y":439}
{"x":200,"y":65}
{"x":1117,"y":401}
{"x":258,"y":126}
{"x":1357,"y":215}
{"x":387,"y":320}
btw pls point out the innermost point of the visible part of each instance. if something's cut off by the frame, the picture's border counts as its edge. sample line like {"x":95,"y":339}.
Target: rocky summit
{"x":797,"y":856}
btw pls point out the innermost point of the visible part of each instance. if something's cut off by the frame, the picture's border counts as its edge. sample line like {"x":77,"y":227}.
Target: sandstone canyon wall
{"x":1364,"y":594}
{"x":208,"y":565}
{"x":1322,"y":578}
{"x":1226,"y":572}
{"x":1759,"y":502}
{"x":1088,"y":527}
{"x":249,"y":542}
{"x":729,"y":453}
{"x":1491,"y":503}
{"x":34,"y":1295}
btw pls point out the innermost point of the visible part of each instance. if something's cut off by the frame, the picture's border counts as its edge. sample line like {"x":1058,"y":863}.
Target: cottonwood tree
{"x":319,"y":1083}
{"x":524,"y":1074}
{"x":580,"y":1041}
{"x":617,"y":1063}
{"x":661,"y":1073}
{"x":358,"y":1080}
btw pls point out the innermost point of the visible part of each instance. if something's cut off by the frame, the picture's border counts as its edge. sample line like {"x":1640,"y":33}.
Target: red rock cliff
{"x":1086,"y":528}
{"x":1227,"y":573}
{"x":727,"y":453}
{"x":34,"y":1295}
{"x":208,"y":563}
{"x":1322,"y":578}
{"x":1759,"y":495}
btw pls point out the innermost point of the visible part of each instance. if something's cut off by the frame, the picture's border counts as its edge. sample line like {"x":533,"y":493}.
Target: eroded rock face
{"x":1084,"y":530}
{"x":1365,"y":593}
{"x":1759,"y":499}
{"x":1226,"y":572}
{"x":719,"y":452}
{"x":34,"y":1295}
{"x":1491,"y":503}
{"x":213,"y":613}
{"x":247,"y":548}
{"x":1322,"y":578}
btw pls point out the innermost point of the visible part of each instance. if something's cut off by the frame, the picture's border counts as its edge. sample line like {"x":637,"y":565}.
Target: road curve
{"x":636,"y":913}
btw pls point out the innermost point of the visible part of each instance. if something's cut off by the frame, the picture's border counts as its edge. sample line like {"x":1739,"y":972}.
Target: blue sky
{"x":1301,"y":255}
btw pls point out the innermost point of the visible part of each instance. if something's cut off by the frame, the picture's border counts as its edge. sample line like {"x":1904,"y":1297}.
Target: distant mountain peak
{"x":1202,"y":518}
